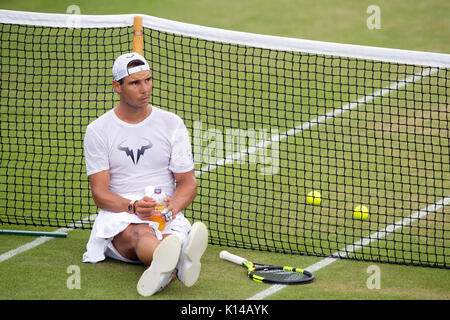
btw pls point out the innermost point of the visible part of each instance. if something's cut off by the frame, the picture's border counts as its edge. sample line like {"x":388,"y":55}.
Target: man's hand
{"x":171,"y":211}
{"x":145,"y":207}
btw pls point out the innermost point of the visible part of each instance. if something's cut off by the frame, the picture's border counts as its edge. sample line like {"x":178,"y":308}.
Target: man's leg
{"x":137,"y":242}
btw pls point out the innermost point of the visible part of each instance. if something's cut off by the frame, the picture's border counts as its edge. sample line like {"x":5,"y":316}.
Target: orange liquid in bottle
{"x":158,"y":217}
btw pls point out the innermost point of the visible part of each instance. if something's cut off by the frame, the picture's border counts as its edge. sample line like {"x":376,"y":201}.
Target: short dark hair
{"x":132,"y":64}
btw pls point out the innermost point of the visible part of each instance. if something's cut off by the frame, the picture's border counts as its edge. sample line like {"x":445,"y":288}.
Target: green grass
{"x":395,"y":180}
{"x":41,"y":273}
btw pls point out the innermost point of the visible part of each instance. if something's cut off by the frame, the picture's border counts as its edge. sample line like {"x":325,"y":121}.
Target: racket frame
{"x":255,"y":267}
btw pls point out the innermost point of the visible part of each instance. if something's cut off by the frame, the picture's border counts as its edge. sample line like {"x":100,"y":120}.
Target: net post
{"x":138,"y":35}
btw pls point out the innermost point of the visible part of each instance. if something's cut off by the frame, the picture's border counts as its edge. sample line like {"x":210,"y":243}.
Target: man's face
{"x":135,"y":89}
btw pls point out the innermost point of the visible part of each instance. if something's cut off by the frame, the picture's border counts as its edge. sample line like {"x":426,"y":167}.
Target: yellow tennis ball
{"x":361,"y":212}
{"x":314,"y":198}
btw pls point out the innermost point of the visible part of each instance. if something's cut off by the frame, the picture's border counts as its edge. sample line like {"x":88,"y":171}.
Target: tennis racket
{"x":268,"y":273}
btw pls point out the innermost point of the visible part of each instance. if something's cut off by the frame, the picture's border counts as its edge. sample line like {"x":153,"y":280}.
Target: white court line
{"x":359,"y":244}
{"x":275,"y":138}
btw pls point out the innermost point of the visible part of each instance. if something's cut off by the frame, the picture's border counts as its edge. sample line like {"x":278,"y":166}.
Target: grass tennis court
{"x":46,"y":266}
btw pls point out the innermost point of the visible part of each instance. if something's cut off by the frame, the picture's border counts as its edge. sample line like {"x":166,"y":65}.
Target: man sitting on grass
{"x":127,"y":149}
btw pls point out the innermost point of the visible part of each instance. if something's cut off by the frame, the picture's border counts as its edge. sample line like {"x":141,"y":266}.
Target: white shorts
{"x":108,"y":224}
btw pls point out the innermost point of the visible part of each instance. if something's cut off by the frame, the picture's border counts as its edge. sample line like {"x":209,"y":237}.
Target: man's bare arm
{"x":185,"y":192}
{"x":110,"y":201}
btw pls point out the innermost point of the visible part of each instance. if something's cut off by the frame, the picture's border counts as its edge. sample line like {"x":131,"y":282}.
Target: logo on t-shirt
{"x":131,"y":152}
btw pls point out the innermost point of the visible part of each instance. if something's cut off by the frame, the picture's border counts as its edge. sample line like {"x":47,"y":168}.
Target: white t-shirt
{"x":138,"y":155}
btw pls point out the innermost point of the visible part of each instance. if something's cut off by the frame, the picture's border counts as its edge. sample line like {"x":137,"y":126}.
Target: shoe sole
{"x":194,"y":252}
{"x":165,"y":259}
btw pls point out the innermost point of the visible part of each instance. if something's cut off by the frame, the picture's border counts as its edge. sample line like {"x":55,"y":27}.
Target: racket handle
{"x":225,"y":255}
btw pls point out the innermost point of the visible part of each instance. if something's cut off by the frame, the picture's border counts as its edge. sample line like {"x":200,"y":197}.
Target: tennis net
{"x":271,"y":119}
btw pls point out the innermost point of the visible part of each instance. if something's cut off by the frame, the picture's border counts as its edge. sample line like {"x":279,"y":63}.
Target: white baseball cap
{"x":120,"y":68}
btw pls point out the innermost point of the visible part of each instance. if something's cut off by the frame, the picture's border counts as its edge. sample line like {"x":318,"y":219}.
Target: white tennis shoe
{"x":159,"y":274}
{"x":189,"y":266}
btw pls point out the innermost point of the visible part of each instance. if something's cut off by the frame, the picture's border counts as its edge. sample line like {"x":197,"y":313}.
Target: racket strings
{"x":279,"y":275}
